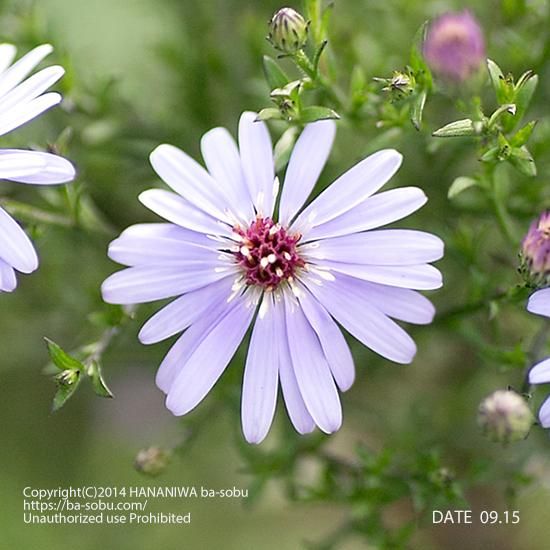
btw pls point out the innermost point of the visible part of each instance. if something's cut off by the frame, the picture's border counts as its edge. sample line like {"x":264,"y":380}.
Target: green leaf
{"x":358,"y":81}
{"x":458,"y":128}
{"x":270,"y":113}
{"x":525,"y":88}
{"x":491,"y":155}
{"x":417,"y":108}
{"x":513,"y":10}
{"x":358,"y":86}
{"x":274,"y":75}
{"x":521,"y":137}
{"x":311,"y":114}
{"x":67,"y":383}
{"x":494,"y":309}
{"x":98,"y":383}
{"x":460,"y":184}
{"x":325,"y":21}
{"x":110,"y":316}
{"x":498,"y":81}
{"x":506,"y":110}
{"x":418,"y":66}
{"x":521,"y":159}
{"x":290,"y":90}
{"x":314,"y":13}
{"x":61,"y":359}
{"x":504,"y":147}
{"x":317,"y":56}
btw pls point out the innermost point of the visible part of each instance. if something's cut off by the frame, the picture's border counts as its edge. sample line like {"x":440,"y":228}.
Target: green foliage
{"x":74,"y":370}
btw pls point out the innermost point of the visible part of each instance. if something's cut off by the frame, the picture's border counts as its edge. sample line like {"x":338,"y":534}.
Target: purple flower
{"x":535,"y":251}
{"x":454,"y":47}
{"x":20,"y":101}
{"x":303,"y":271}
{"x":539,"y":303}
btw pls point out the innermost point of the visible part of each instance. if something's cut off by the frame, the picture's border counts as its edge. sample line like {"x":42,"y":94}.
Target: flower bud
{"x":152,"y":461}
{"x":399,"y":86}
{"x":535,"y":252}
{"x":454,"y":47}
{"x":288,"y":31}
{"x":504,"y":416}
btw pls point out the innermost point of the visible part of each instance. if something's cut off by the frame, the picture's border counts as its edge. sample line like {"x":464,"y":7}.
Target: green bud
{"x":152,"y":461}
{"x":504,"y":416}
{"x":288,"y":31}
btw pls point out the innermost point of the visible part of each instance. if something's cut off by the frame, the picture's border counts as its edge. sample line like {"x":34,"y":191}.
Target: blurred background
{"x":143,"y":72}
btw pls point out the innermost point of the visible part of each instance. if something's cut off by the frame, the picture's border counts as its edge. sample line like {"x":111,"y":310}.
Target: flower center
{"x":267,"y":253}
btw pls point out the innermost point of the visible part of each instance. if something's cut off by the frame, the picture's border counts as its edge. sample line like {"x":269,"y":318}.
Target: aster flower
{"x":539,"y":303}
{"x":302,"y":272}
{"x":20,"y":101}
{"x":454,"y":47}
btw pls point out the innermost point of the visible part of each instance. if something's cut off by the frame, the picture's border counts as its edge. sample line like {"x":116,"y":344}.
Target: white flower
{"x":20,"y":101}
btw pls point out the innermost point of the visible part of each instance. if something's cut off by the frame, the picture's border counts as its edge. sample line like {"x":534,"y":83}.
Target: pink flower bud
{"x":535,"y":252}
{"x":454,"y":47}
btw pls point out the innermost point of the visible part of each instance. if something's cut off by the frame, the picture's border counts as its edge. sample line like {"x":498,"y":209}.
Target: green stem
{"x":35,"y":215}
{"x":102,"y":345}
{"x":513,"y":295}
{"x":304,"y":63}
{"x":30,"y":214}
{"x":470,"y":308}
{"x":498,"y":199}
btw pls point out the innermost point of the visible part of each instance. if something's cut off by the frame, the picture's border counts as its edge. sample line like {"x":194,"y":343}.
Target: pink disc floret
{"x":267,"y":253}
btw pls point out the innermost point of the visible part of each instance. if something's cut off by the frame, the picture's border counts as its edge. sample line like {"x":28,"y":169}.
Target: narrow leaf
{"x":458,"y":128}
{"x":311,"y":114}
{"x":61,"y":359}
{"x":270,"y":113}
{"x":67,"y":383}
{"x":460,"y":184}
{"x":98,"y":382}
{"x":417,"y":108}
{"x":498,"y":81}
{"x":274,"y":75}
{"x":524,"y":93}
{"x":521,"y":159}
{"x":522,"y":136}
{"x":491,"y":155}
